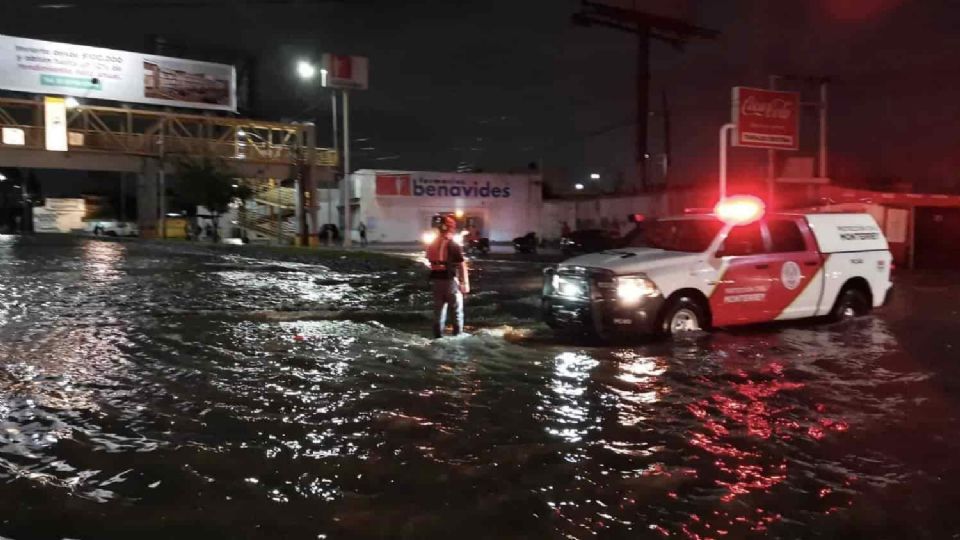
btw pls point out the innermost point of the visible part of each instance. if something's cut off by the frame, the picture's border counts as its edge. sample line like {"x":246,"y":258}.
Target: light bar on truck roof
{"x":740,"y":209}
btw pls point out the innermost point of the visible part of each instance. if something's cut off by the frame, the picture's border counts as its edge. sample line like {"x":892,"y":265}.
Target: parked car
{"x":476,"y":246}
{"x":329,"y":233}
{"x":526,"y":243}
{"x":588,"y":241}
{"x":112,"y":227}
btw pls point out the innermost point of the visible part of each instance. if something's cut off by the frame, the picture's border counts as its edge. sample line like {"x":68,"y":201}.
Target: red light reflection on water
{"x":736,"y":428}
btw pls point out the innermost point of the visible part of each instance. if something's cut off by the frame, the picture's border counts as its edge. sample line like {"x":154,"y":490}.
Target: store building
{"x":397,"y":206}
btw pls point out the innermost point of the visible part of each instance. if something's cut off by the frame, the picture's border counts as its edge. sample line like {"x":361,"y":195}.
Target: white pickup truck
{"x":693,"y":272}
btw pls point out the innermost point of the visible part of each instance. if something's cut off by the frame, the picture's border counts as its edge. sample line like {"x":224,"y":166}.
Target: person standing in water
{"x":448,"y":277}
{"x":363,"y":234}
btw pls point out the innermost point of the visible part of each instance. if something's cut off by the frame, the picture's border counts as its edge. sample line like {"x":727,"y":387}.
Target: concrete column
{"x":148,"y":199}
{"x":309,"y":176}
{"x":298,"y":212}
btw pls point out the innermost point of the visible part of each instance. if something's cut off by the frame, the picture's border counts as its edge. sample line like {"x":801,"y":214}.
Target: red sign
{"x":342,"y":66}
{"x":345,"y":71}
{"x":393,"y":184}
{"x":766,"y":118}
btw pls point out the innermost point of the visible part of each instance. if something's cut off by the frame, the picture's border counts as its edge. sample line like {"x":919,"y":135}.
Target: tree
{"x":207,"y":182}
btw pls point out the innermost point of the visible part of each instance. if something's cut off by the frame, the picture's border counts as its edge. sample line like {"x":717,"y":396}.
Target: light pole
{"x":307,"y":71}
{"x":576,"y":206}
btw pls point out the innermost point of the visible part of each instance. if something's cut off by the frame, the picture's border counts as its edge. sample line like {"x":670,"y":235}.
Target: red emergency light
{"x":740,"y":209}
{"x":636,"y":218}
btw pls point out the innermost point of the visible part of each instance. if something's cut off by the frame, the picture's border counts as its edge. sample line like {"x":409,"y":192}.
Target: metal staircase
{"x":271,"y":218}
{"x":281,"y":197}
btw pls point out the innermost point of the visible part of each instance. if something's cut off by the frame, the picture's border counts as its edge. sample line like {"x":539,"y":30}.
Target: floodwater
{"x":161,"y":391}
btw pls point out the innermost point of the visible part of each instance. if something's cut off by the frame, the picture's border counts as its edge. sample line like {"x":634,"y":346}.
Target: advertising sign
{"x":47,"y":67}
{"x":344,"y":71}
{"x":55,"y":123}
{"x":393,"y":185}
{"x":407,"y":185}
{"x":766,"y":118}
{"x":13,"y":136}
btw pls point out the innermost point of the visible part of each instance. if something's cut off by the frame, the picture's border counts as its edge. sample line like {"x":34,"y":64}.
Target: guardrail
{"x":159,"y":134}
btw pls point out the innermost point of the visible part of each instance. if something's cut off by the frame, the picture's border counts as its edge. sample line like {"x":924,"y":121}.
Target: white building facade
{"x":397,"y":206}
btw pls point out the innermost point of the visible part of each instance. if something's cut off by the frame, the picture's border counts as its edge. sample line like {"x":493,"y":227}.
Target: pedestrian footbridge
{"x":148,"y":143}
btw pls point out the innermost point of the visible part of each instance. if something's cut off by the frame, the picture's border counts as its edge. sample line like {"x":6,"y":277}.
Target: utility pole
{"x":821,"y":106}
{"x":346,"y":169}
{"x":25,"y":205}
{"x":667,"y":147}
{"x":646,"y":27}
{"x":823,"y":129}
{"x":772,"y":156}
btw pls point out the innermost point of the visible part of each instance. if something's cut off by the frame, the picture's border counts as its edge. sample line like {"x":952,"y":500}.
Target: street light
{"x":578,"y":187}
{"x":305,"y":69}
{"x":594,"y":176}
{"x":2,"y":177}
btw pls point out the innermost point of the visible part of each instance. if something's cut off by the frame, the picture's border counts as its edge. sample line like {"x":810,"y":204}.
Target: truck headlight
{"x":429,"y":236}
{"x":568,"y":287}
{"x":631,"y":289}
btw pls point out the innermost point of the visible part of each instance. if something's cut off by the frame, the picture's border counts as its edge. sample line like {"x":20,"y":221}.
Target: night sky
{"x":500,"y":84}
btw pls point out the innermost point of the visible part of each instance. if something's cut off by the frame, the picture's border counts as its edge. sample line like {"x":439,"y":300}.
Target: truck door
{"x":741,"y":295}
{"x":797,"y":269}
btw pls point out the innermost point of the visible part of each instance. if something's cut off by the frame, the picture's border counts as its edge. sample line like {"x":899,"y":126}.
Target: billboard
{"x":55,"y":123}
{"x":47,"y":67}
{"x":766,"y":118}
{"x":437,"y":185}
{"x":350,"y":72}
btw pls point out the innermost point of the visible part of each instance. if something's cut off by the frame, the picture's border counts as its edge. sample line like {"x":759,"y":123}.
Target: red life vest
{"x":437,"y":254}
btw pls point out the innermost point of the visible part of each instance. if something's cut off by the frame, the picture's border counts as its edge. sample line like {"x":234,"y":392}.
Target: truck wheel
{"x":683,"y":315}
{"x":851,"y":302}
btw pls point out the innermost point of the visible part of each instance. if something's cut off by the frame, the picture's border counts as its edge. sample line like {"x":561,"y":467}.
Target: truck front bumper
{"x":599,"y":311}
{"x":602,"y":317}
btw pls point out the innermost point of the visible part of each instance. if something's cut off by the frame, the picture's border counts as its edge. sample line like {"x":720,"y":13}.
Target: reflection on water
{"x":567,"y":407}
{"x":149,"y":393}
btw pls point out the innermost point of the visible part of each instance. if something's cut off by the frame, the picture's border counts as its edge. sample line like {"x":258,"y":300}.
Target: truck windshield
{"x":688,"y":235}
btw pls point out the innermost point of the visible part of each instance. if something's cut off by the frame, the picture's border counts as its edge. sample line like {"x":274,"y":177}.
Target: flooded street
{"x":163,"y":391}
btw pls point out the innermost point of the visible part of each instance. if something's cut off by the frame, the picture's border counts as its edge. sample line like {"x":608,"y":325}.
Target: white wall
{"x":404,"y":217}
{"x":597,"y":213}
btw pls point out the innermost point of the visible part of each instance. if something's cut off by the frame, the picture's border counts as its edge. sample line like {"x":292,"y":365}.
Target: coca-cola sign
{"x":766,"y":118}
